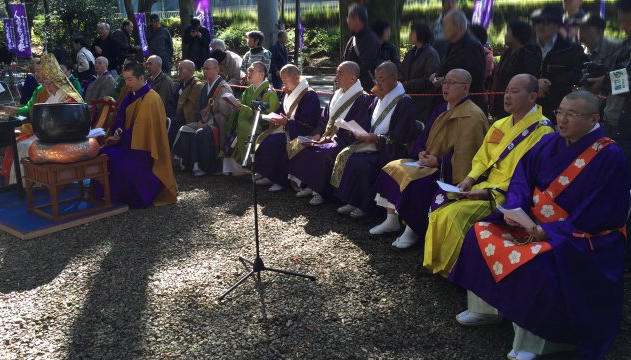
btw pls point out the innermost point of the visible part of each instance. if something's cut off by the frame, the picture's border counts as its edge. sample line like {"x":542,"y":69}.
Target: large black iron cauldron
{"x":56,"y":123}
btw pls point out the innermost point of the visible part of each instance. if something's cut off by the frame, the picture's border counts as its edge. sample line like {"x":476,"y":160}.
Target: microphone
{"x":260,"y":104}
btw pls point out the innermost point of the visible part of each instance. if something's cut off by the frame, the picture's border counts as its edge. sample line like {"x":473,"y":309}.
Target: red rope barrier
{"x":330,"y":93}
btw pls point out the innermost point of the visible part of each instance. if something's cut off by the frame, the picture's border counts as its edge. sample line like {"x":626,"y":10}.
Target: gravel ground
{"x":144,"y":285}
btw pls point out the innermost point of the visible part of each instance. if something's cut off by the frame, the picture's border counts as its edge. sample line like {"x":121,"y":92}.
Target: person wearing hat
{"x":573,"y":13}
{"x":598,"y":48}
{"x":562,"y":60}
{"x":229,"y":65}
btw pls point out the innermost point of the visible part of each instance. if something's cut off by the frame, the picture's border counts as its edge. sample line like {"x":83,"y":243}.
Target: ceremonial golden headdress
{"x":52,"y":72}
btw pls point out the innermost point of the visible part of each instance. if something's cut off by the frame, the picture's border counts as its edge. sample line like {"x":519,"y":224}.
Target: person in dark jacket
{"x":363,"y":46}
{"x":464,"y":52}
{"x":418,"y":64}
{"x":105,"y":46}
{"x":387,"y":51}
{"x":520,"y":57}
{"x":122,"y":38}
{"x":196,"y":43}
{"x":160,"y":42}
{"x":279,"y":59}
{"x":562,"y":60}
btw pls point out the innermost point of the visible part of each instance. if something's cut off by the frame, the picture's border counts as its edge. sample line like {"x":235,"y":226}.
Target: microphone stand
{"x":257,"y":265}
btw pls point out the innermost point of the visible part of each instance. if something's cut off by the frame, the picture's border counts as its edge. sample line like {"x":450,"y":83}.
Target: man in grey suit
{"x":198,"y":144}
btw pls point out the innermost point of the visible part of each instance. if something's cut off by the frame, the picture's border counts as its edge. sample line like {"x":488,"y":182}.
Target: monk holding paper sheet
{"x":392,"y":131}
{"x":239,"y":125}
{"x":492,"y":167}
{"x":300,"y":115}
{"x":444,"y":150}
{"x":560,"y":280}
{"x":311,"y":166}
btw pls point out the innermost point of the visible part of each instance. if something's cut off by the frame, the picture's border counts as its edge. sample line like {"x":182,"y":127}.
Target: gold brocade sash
{"x":344,"y":155}
{"x":295,"y":146}
{"x":279,"y":129}
{"x":404,"y":174}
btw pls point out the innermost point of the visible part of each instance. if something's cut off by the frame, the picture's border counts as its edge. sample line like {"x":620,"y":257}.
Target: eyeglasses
{"x":453,"y":82}
{"x":569,"y":114}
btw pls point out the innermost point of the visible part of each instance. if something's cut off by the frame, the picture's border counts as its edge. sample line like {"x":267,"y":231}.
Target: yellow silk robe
{"x":449,"y":224}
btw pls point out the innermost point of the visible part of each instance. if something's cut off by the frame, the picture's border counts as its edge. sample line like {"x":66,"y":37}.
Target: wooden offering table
{"x":54,"y":176}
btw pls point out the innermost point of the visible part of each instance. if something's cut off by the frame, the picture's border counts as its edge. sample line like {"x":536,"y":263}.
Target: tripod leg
{"x":245,"y":277}
{"x":312,"y":278}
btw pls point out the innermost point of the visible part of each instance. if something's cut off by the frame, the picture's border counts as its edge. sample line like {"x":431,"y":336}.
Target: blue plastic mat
{"x":16,"y":220}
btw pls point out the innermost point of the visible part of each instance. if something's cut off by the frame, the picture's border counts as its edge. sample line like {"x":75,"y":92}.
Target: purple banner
{"x":602,"y":9}
{"x":141,"y":25}
{"x":301,"y":34}
{"x":9,"y":35}
{"x":203,"y":11}
{"x":20,"y":27}
{"x":482,"y":12}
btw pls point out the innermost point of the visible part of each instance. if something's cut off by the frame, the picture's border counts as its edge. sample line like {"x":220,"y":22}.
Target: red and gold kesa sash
{"x":506,"y":249}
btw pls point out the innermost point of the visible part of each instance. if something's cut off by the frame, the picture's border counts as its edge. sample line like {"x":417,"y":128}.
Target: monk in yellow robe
{"x":492,"y":167}
{"x":139,"y":161}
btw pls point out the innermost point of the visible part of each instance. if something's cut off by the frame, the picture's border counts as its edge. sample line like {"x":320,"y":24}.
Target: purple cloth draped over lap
{"x":414,"y":201}
{"x":313,"y":165}
{"x":357,"y":185}
{"x":131,"y":178}
{"x":571,"y":294}
{"x":271,"y":156}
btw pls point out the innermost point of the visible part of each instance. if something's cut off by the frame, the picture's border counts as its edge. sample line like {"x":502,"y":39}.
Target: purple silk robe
{"x":357,"y":185}
{"x":313,"y":165}
{"x":570,"y":294}
{"x":271,"y":156}
{"x":132,"y":180}
{"x":413,"y":202}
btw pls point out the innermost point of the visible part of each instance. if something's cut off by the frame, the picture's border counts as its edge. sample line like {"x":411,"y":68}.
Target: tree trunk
{"x":31,"y":12}
{"x":187,"y":12}
{"x":268,"y":21}
{"x":144,"y":6}
{"x":391,"y":11}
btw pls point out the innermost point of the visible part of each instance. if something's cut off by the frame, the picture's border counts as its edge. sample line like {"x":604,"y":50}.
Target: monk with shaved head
{"x":385,"y":136}
{"x":559,"y":276}
{"x":443,"y":151}
{"x":310,"y":166}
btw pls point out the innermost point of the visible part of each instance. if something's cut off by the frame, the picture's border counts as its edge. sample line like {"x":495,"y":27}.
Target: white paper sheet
{"x":2,"y":89}
{"x":21,"y":118}
{"x":519,"y":216}
{"x":351,"y":126}
{"x":414,"y":164}
{"x":96,"y":133}
{"x":305,"y":140}
{"x":271,"y":116}
{"x":449,"y":188}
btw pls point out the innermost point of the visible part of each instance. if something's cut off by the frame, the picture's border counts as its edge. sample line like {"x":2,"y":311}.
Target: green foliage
{"x":234,"y":37}
{"x":72,"y":17}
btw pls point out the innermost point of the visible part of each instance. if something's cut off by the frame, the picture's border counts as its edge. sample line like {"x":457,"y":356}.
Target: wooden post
{"x":297,"y":34}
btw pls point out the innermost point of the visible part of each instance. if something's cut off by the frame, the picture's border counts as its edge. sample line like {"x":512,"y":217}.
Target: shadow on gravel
{"x":28,"y":264}
{"x":110,"y":324}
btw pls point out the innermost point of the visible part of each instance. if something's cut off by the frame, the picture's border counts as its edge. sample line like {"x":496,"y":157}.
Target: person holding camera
{"x":196,"y":43}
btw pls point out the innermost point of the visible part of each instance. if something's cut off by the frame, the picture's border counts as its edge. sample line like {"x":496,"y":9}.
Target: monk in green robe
{"x":239,"y":125}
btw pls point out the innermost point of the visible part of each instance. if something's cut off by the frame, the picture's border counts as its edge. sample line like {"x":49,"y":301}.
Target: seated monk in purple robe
{"x":443,"y":151}
{"x":139,"y":158}
{"x":300,"y":115}
{"x":310,"y":165}
{"x":392,"y":129}
{"x":554,"y":266}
